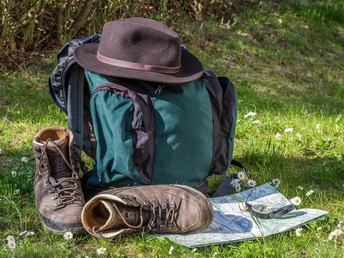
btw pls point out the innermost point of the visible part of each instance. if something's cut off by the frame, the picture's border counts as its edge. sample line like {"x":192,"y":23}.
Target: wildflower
{"x":11,"y":244}
{"x":251,"y":183}
{"x":68,"y":236}
{"x":337,"y":232}
{"x":330,"y":236}
{"x":23,"y":233}
{"x":14,"y":173}
{"x":288,"y":130}
{"x":310,"y":192}
{"x":317,"y":127}
{"x":296,"y":200}
{"x":101,"y":250}
{"x":276,"y":182}
{"x":256,"y":122}
{"x":278,"y":136}
{"x":249,"y":114}
{"x":10,"y":238}
{"x":235,"y":182}
{"x":300,"y":187}
{"x":171,"y":250}
{"x":25,"y":159}
{"x":237,"y":188}
{"x":241,"y":175}
{"x":298,"y":232}
{"x":319,"y":228}
{"x":31,"y":233}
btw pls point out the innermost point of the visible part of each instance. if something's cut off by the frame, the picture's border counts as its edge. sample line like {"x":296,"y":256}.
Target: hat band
{"x":137,"y":66}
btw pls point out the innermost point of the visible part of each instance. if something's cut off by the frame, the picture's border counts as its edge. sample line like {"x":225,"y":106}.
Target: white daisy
{"x":298,"y":232}
{"x":25,"y":159}
{"x":241,"y":175}
{"x":10,"y":238}
{"x":194,"y":250}
{"x":310,"y":192}
{"x":101,"y":250}
{"x":171,"y":250}
{"x":276,"y":181}
{"x":278,"y":136}
{"x":300,"y":187}
{"x":296,"y":200}
{"x":31,"y":233}
{"x":237,"y":188}
{"x":11,"y":244}
{"x":14,"y":173}
{"x":337,"y":232}
{"x":68,"y":236}
{"x":235,"y":182}
{"x":331,"y":235}
{"x":251,"y":183}
{"x":23,"y":233}
{"x":288,"y":130}
{"x":250,"y":114}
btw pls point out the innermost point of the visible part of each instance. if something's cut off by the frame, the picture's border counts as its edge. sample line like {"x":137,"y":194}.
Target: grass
{"x":287,"y":63}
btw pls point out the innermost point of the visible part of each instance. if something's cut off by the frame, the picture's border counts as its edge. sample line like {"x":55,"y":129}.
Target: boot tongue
{"x":117,"y":213}
{"x":58,"y":166}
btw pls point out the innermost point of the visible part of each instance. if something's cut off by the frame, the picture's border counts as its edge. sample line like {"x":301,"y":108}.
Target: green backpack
{"x":141,"y":132}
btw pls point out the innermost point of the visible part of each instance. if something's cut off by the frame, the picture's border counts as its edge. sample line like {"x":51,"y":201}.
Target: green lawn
{"x":287,"y":64}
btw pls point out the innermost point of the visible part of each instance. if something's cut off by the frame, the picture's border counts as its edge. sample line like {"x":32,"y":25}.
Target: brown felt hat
{"x":142,"y":49}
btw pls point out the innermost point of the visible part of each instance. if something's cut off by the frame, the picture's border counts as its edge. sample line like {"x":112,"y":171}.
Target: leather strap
{"x":137,"y":66}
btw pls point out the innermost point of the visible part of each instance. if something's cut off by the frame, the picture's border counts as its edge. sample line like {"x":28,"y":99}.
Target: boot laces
{"x":65,"y":188}
{"x":162,"y":215}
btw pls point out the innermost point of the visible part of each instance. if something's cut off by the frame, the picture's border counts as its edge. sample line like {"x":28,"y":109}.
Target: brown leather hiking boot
{"x":57,"y":187}
{"x":155,"y":208}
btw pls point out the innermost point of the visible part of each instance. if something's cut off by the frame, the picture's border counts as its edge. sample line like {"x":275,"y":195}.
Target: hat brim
{"x":191,"y":68}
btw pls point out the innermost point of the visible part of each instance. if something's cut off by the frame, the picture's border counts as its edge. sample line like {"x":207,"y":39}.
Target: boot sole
{"x":75,"y":229}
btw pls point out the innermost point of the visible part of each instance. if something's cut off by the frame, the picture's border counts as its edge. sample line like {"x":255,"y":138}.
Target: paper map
{"x":231,"y":224}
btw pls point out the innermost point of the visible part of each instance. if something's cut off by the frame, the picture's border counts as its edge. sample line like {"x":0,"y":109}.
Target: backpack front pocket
{"x":124,"y":126}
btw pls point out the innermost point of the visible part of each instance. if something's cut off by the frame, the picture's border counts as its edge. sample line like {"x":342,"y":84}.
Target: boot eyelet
{"x":51,"y":190}
{"x":172,"y":205}
{"x":164,"y":205}
{"x":58,"y":203}
{"x":55,"y":197}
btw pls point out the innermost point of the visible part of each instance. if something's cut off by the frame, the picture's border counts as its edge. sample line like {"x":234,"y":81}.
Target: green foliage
{"x":287,"y":68}
{"x":31,"y":25}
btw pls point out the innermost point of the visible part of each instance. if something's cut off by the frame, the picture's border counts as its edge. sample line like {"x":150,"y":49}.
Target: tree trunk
{"x":79,"y":20}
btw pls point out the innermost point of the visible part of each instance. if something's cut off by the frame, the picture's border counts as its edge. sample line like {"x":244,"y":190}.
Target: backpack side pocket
{"x":224,"y":106}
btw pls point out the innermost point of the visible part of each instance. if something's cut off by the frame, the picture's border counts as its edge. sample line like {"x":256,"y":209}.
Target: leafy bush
{"x":28,"y":25}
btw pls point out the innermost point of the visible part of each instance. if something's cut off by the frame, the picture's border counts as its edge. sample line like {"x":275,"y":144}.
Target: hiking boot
{"x":57,"y":187}
{"x":154,"y":208}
